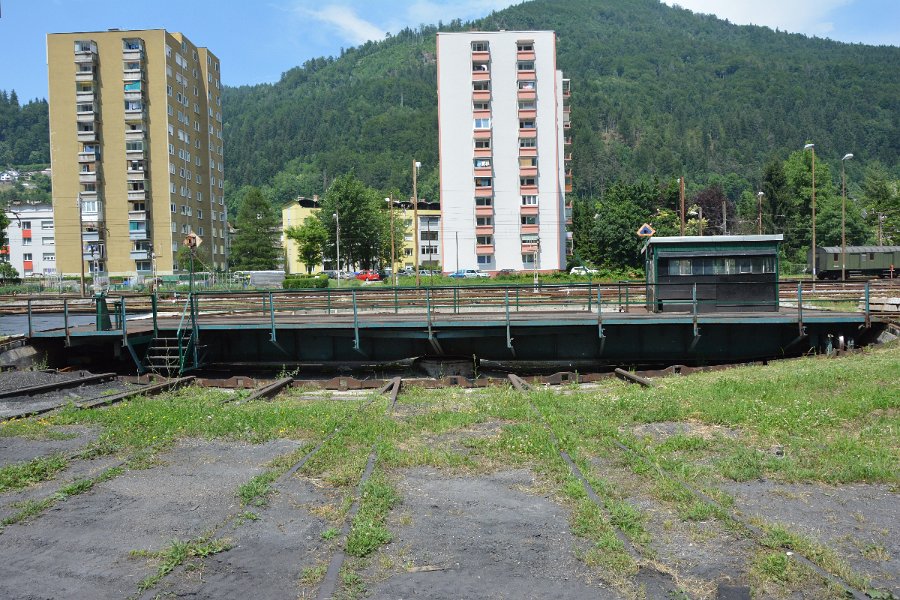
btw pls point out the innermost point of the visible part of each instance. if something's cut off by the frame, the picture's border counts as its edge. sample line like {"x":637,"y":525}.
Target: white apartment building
{"x":503,"y":120}
{"x":32,"y":244}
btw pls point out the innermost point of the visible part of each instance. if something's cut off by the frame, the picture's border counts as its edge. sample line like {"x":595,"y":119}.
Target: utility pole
{"x":681,"y":194}
{"x":81,"y":242}
{"x":338,"y":244}
{"x":813,"y":148}
{"x":724,"y":217}
{"x":844,"y":218}
{"x":393,"y":259}
{"x":415,"y":174}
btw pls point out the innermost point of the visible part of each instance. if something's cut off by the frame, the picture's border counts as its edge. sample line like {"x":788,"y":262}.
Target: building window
{"x":527,"y":161}
{"x":482,"y":123}
{"x":134,"y":146}
{"x":481,"y":86}
{"x":530,"y":238}
{"x":482,"y":163}
{"x":527,"y":105}
{"x":525,"y":46}
{"x":485,"y":259}
{"x":26,"y":256}
{"x":481,"y":106}
{"x":528,"y":260}
{"x":480,"y":47}
{"x":484,"y":240}
{"x":48,"y":241}
{"x":525,"y":65}
{"x":528,"y":142}
{"x":529,"y":220}
{"x":527,"y":181}
{"x":529,"y":200}
{"x":527,"y":85}
{"x":482,"y":182}
{"x":49,"y":256}
{"x":484,"y":221}
{"x":483,"y":144}
{"x":484,"y":202}
{"x":526,"y":123}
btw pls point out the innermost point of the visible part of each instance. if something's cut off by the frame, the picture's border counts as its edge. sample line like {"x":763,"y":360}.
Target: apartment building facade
{"x":31,"y":248}
{"x":137,"y":151}
{"x":503,"y":120}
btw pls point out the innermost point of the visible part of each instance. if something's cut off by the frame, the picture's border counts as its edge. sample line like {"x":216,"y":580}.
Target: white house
{"x":32,"y":241}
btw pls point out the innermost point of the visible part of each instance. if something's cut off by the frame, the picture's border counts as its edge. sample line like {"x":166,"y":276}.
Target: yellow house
{"x":430,"y":247}
{"x":293,"y":215}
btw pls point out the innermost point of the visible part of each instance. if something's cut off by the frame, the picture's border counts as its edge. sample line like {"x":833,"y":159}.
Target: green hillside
{"x":657,"y":91}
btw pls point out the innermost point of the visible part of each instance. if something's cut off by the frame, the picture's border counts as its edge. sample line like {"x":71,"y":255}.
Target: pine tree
{"x":255,"y":243}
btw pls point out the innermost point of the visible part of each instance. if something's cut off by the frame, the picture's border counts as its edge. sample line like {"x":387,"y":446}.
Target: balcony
{"x":90,"y":235}
{"x":529,"y":248}
{"x":137,"y":215}
{"x":529,"y":209}
{"x":484,"y":192}
{"x":525,"y":55}
{"x":567,"y":140}
{"x":134,"y":135}
{"x":567,"y":88}
{"x":482,"y":152}
{"x":87,"y":177}
{"x":535,"y":228}
{"x":528,"y":190}
{"x":84,"y":75}
{"x":139,"y":254}
{"x":84,"y":96}
{"x":528,"y":171}
{"x":93,"y":252}
{"x":87,"y":135}
{"x":525,"y":75}
{"x":134,"y":154}
{"x":87,"y":116}
{"x":85,"y":57}
{"x":527,"y":94}
{"x":479,"y":56}
{"x":481,"y":95}
{"x":528,"y":133}
{"x":134,"y":95}
{"x":137,"y":235}
{"x":484,"y":211}
{"x":132,"y":54}
{"x":484,"y":230}
{"x":483,"y":172}
{"x":137,"y":194}
{"x":88,"y":157}
{"x":528,"y":151}
{"x":482,"y":249}
{"x":131,"y":175}
{"x":481,"y":114}
{"x":568,"y":187}
{"x":133,"y":75}
{"x":528,"y":114}
{"x":481,"y":75}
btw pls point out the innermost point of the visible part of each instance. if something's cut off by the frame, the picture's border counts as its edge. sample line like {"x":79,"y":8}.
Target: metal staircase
{"x":174,"y":355}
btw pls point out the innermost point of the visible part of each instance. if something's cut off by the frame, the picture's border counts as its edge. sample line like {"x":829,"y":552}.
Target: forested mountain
{"x":24,"y":136}
{"x":657,"y":92}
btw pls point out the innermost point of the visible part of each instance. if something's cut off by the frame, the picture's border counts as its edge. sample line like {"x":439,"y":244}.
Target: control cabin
{"x":718,"y":273}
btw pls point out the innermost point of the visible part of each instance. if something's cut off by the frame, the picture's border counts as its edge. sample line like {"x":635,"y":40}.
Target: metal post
{"x":627,"y":300}
{"x":759,"y":196}
{"x":122,"y":314}
{"x":393,"y":251}
{"x":681,"y":196}
{"x":456,"y":300}
{"x":590,"y":296}
{"x":396,"y":302}
{"x":844,"y":218}
{"x":327,"y":301}
{"x":272,"y":314}
{"x":153,"y":306}
{"x":29,"y":318}
{"x":800,"y":307}
{"x":337,"y":240}
{"x":355,"y":321}
{"x":868,"y":313}
{"x":66,"y":319}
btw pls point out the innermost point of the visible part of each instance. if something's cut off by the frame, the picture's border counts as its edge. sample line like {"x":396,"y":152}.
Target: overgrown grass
{"x":20,"y":475}
{"x":176,"y":554}
{"x":368,"y":531}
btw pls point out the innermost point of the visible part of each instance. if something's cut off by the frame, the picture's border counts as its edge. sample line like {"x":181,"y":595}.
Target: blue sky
{"x":279,"y":34}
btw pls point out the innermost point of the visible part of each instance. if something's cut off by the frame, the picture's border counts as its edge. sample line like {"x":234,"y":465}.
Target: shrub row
{"x":300,"y":282}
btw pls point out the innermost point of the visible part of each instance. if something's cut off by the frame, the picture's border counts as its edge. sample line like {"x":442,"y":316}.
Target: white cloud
{"x":798,"y":16}
{"x":348,"y":24}
{"x":430,"y":11}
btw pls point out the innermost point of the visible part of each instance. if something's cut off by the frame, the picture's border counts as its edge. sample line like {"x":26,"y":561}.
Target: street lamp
{"x":813,"y":148}
{"x":759,"y":197}
{"x":338,"y":244}
{"x":844,"y":218}
{"x":393,"y":260}
{"x":415,"y":174}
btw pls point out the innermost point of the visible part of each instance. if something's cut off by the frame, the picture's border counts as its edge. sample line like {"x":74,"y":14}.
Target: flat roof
{"x":837,"y":249}
{"x":714,"y":239}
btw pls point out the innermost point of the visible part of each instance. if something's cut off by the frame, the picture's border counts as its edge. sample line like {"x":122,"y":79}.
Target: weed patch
{"x":20,"y":475}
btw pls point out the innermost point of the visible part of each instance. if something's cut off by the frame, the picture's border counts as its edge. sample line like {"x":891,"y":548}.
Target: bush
{"x":301,"y":282}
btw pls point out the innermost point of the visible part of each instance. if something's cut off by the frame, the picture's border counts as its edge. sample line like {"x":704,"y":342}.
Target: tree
{"x":202,"y":258}
{"x":365,"y":225}
{"x":7,"y":271}
{"x":311,"y":238}
{"x":255,"y":244}
{"x":881,"y":200}
{"x":618,"y":218}
{"x":4,"y":223}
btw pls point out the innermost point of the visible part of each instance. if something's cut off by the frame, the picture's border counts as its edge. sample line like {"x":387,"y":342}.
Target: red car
{"x":368,"y":276}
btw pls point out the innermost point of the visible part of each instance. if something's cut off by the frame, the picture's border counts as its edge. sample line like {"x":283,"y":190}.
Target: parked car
{"x":368,"y":276}
{"x":582,"y":271}
{"x":469,"y":274}
{"x":506,"y":272}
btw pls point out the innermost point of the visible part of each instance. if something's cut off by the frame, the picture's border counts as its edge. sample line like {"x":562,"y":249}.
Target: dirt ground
{"x":497,"y":534}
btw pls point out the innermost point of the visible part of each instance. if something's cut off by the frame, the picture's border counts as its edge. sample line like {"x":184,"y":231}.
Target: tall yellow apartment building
{"x":136,"y":146}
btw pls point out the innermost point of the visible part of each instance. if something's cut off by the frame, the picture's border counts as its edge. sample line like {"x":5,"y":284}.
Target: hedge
{"x":300,"y":282}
